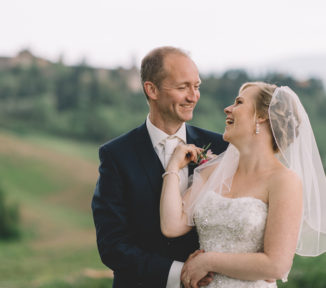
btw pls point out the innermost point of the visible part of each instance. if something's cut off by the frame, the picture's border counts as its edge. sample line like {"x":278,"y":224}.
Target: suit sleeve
{"x":116,"y":246}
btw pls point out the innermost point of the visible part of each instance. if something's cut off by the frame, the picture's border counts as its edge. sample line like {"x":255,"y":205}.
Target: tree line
{"x":96,"y":105}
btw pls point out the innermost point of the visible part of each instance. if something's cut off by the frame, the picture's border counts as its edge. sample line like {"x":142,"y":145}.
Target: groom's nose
{"x":193,"y":94}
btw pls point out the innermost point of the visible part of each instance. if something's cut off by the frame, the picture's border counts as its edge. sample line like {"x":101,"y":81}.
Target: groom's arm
{"x":116,"y":246}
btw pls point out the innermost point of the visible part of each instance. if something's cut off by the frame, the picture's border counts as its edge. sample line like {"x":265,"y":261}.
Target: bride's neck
{"x":256,"y":158}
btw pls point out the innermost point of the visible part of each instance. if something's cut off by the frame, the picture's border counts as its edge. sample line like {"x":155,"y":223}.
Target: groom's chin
{"x":187,"y":116}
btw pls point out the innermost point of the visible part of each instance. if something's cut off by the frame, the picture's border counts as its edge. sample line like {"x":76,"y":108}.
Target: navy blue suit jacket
{"x":126,"y":209}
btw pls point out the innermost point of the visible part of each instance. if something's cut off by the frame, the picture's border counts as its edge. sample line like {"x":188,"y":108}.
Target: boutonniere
{"x":204,"y":156}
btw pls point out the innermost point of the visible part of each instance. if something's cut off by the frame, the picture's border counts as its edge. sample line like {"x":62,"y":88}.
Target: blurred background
{"x":69,"y":81}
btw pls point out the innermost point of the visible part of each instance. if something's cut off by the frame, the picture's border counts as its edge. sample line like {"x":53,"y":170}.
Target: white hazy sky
{"x":218,"y":33}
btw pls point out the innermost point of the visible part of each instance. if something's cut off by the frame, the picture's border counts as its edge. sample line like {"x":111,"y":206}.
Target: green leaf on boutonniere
{"x":202,"y":157}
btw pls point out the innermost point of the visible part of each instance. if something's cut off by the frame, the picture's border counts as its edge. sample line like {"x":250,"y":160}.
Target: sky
{"x":218,"y":34}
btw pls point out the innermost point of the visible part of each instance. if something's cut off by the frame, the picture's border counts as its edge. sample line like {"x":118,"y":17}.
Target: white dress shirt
{"x":158,"y":138}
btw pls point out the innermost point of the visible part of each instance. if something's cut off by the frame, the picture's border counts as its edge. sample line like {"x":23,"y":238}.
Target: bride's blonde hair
{"x":263,"y":99}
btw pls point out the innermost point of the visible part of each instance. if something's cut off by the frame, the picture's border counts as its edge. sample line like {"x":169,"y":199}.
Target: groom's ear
{"x":151,"y":90}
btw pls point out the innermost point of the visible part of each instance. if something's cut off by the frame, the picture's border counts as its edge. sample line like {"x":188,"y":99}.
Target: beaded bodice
{"x":233,"y":225}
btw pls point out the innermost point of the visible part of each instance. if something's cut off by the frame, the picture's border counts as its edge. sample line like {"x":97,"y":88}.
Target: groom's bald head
{"x":152,"y":65}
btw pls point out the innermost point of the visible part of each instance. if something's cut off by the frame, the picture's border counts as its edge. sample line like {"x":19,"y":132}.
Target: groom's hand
{"x":202,"y":282}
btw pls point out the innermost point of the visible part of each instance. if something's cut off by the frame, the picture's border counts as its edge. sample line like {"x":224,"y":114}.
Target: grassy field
{"x":53,"y":180}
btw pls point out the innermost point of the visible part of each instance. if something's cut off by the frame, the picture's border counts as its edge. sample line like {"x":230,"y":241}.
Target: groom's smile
{"x":188,"y":106}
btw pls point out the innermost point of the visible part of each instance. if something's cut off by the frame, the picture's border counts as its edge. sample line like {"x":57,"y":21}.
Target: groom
{"x":127,"y":194}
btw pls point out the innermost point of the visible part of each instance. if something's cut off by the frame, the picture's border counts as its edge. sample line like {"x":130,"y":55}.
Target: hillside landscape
{"x":53,"y":189}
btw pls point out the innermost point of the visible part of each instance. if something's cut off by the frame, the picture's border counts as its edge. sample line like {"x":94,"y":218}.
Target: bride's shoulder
{"x":284,"y":180}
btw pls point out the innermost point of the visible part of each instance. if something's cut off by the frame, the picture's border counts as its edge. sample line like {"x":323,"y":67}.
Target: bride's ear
{"x":261,"y":120}
{"x":151,"y":90}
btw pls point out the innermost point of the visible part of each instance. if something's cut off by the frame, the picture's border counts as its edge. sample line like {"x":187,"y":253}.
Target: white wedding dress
{"x":231,"y":225}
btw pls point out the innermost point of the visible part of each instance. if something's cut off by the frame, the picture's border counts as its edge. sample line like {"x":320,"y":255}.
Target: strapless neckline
{"x":242,"y":198}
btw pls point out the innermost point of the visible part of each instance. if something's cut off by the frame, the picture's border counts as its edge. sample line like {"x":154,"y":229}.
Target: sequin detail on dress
{"x":231,"y":225}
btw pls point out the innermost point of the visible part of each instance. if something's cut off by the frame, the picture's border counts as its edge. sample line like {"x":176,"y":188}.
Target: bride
{"x":258,"y":203}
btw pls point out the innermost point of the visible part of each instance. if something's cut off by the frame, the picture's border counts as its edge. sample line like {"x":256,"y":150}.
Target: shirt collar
{"x":157,"y":135}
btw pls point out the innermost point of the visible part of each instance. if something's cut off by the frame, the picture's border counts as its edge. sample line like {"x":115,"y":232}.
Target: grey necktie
{"x":170,"y":144}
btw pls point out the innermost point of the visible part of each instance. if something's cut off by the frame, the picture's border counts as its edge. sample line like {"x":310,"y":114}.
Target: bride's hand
{"x":182,"y":155}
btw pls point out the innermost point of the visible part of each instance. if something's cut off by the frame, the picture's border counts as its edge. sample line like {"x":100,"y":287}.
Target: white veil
{"x":297,"y":150}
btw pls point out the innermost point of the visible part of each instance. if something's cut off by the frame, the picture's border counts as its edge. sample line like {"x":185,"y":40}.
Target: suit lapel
{"x":192,"y":138}
{"x":148,"y":158}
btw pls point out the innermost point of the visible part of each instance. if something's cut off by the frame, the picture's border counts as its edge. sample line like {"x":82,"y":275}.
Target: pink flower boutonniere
{"x":205,"y":155}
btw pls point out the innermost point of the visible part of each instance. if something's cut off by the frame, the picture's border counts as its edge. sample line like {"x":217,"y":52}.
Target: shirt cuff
{"x":174,"y":275}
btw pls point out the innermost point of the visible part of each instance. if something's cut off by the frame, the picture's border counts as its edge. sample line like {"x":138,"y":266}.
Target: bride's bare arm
{"x":280,"y":240}
{"x":173,"y":219}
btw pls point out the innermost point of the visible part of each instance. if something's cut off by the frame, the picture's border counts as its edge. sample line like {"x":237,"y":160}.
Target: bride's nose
{"x":227,"y":110}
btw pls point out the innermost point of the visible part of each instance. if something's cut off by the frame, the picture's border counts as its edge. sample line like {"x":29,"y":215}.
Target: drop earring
{"x":257,"y":128}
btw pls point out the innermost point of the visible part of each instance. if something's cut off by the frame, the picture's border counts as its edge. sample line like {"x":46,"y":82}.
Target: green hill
{"x":53,"y":188}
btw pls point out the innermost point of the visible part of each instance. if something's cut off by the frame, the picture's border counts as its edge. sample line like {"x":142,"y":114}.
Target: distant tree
{"x":66,"y":87}
{"x":9,"y":218}
{"x":225,"y":88}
